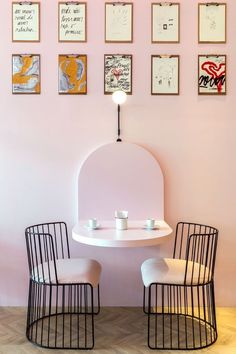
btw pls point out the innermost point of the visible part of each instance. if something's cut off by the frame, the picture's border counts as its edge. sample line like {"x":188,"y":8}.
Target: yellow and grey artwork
{"x":72,"y":74}
{"x":26,"y":74}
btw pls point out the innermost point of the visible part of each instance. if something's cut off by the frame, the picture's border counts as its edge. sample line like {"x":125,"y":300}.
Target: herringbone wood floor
{"x":119,"y":330}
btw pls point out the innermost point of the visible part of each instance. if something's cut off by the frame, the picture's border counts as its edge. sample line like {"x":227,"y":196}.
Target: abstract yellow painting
{"x":26,"y":74}
{"x":72,"y":74}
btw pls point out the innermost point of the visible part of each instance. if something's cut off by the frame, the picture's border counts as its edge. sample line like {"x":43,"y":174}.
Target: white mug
{"x":92,"y":223}
{"x":121,"y":224}
{"x":150,"y":223}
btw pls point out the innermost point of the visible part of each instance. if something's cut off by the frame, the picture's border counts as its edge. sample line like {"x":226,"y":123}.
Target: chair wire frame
{"x":183,"y":316}
{"x":59,"y":315}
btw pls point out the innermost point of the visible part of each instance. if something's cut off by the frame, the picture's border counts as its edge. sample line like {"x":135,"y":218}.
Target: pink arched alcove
{"x":120,"y":176}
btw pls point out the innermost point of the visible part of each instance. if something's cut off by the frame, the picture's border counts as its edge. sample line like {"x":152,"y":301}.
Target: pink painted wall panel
{"x":121,"y":176}
{"x":44,"y":139}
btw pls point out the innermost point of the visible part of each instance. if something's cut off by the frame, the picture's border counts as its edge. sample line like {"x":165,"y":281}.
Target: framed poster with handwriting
{"x":26,"y":73}
{"x":117,"y":73}
{"x":72,"y":21}
{"x":165,"y":75}
{"x":119,"y":22}
{"x":212,"y":74}
{"x":25,"y":21}
{"x":165,"y":22}
{"x":212,"y":23}
{"x":72,"y":74}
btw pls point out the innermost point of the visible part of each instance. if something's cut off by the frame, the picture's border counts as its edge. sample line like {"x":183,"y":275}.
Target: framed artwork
{"x":117,"y":73}
{"x":26,"y":73}
{"x":72,"y":74}
{"x":165,"y":22}
{"x":165,"y":75}
{"x":212,"y":23}
{"x":72,"y":21}
{"x":119,"y":22}
{"x":212,"y":74}
{"x":25,"y":21}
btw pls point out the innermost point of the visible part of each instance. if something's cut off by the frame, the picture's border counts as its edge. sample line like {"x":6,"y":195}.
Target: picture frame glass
{"x":118,"y":22}
{"x":212,"y":23}
{"x":26,"y":74}
{"x":25,"y":22}
{"x":212,"y":74}
{"x":165,"y":75}
{"x":72,"y":74}
{"x":117,"y":73}
{"x":165,"y":22}
{"x":72,"y":21}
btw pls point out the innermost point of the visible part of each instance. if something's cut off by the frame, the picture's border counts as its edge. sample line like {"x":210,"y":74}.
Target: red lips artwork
{"x":214,"y":79}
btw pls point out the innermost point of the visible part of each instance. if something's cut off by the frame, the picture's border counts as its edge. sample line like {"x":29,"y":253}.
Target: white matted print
{"x":165,"y":22}
{"x":165,"y":75}
{"x":212,"y":74}
{"x":212,"y":23}
{"x":118,"y":22}
{"x":117,"y":73}
{"x":25,"y":22}
{"x":72,"y":17}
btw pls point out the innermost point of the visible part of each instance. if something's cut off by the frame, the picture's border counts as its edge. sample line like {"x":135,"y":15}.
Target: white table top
{"x":136,"y":235}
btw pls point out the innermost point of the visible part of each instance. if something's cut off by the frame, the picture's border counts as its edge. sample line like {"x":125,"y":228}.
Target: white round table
{"x":136,"y":235}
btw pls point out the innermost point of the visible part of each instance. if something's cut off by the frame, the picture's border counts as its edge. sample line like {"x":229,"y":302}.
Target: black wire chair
{"x":179,"y":292}
{"x":61,"y":290}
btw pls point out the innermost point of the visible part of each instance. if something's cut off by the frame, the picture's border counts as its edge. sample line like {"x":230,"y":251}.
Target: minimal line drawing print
{"x":165,"y":75}
{"x":165,"y":23}
{"x":117,"y":73}
{"x":212,"y":23}
{"x":118,"y":22}
{"x":26,"y":74}
{"x":212,"y":74}
{"x":72,"y":74}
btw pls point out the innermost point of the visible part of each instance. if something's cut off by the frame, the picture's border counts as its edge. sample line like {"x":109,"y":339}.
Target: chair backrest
{"x":196,"y":243}
{"x":45,"y":244}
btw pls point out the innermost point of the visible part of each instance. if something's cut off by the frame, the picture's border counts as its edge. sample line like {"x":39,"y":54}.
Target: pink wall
{"x":44,"y":139}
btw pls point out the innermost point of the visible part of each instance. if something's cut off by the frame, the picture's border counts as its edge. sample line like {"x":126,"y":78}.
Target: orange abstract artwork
{"x":72,"y":74}
{"x":26,"y":74}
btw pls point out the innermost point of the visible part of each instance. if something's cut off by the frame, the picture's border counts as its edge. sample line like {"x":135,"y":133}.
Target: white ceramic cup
{"x":121,"y":224}
{"x":150,"y":223}
{"x":92,"y":223}
{"x":121,"y":219}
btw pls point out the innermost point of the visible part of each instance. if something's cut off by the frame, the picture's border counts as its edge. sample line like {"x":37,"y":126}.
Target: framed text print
{"x":117,"y":73}
{"x":25,"y":22}
{"x":212,"y":74}
{"x":165,"y":75}
{"x":119,"y":22}
{"x":72,"y":21}
{"x":72,"y":74}
{"x":26,"y":73}
{"x":212,"y":23}
{"x":165,"y":22}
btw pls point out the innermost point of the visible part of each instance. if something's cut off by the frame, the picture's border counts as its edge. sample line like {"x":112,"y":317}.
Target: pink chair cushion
{"x":72,"y":271}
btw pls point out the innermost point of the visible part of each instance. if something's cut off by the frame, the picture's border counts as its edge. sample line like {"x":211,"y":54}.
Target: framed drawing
{"x":25,"y":21}
{"x":117,"y":73}
{"x":165,"y":75}
{"x":72,"y":21}
{"x":212,"y":74}
{"x":212,"y":23}
{"x":26,"y":73}
{"x":72,"y":74}
{"x":119,"y":22}
{"x":165,"y":22}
